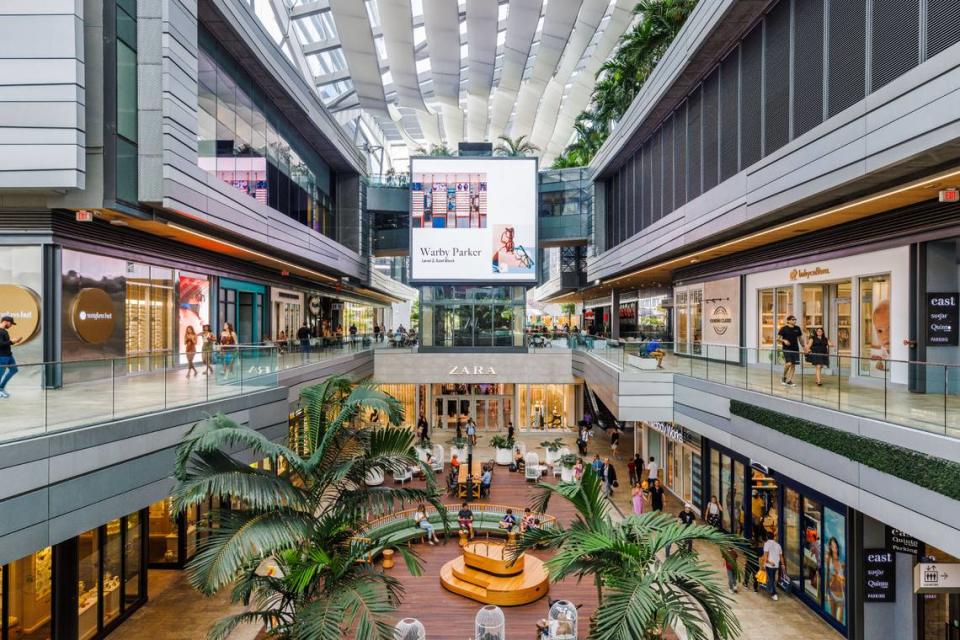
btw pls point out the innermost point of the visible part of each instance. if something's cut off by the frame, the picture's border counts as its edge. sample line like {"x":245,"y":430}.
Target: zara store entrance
{"x":490,"y":405}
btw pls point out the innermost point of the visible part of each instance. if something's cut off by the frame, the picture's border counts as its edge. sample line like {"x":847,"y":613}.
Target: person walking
{"x":818,"y":353}
{"x":228,"y":347}
{"x":730,"y":564}
{"x":714,"y":512}
{"x":637,"y":497}
{"x":791,"y":337}
{"x":652,"y":470}
{"x":687,"y":517}
{"x":638,"y":467}
{"x":376,"y":333}
{"x":656,"y":496}
{"x":614,"y":442}
{"x":423,"y":428}
{"x":7,"y":361}
{"x":772,"y":563}
{"x":597,"y":464}
{"x":303,"y":335}
{"x":578,"y":470}
{"x":206,"y":354}
{"x":510,"y":430}
{"x":472,"y":431}
{"x":190,"y":347}
{"x":609,"y":475}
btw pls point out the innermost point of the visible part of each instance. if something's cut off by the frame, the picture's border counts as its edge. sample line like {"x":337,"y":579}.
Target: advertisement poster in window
{"x":193,"y":308}
{"x":473,"y":219}
{"x":835,"y":565}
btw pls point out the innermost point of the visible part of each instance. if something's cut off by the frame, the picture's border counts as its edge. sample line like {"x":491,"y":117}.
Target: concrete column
{"x":615,"y":314}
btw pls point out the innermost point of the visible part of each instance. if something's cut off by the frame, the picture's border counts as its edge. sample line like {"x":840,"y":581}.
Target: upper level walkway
{"x":878,"y":389}
{"x":49,"y":397}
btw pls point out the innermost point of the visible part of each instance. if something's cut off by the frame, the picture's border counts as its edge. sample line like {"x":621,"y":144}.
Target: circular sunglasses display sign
{"x":23,"y":305}
{"x":92,"y":315}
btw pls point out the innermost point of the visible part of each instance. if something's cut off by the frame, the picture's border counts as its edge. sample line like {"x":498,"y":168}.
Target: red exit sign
{"x":950,"y":195}
{"x":84,"y":216}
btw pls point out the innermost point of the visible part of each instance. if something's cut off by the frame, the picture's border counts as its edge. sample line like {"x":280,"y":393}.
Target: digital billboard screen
{"x":473,"y":219}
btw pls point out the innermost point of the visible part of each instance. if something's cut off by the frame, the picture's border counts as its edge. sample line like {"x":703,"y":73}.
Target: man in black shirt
{"x":7,"y":362}
{"x":687,"y":518}
{"x":791,"y":336}
{"x":465,"y":518}
{"x":656,"y":496}
{"x":422,"y":428}
{"x":303,"y":335}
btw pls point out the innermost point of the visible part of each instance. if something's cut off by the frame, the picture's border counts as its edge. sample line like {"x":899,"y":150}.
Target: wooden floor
{"x":447,"y":616}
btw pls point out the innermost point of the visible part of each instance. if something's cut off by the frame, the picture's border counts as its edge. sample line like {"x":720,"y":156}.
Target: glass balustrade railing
{"x":45,"y":397}
{"x":919,"y":395}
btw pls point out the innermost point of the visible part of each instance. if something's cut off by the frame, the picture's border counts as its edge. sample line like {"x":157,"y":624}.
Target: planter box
{"x":460,"y":453}
{"x":504,"y":456}
{"x":551,"y":456}
{"x":566,"y":474}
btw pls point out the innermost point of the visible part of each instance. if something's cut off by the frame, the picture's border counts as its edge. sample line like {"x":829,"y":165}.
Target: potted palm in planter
{"x":567,"y":461}
{"x":423,"y":447}
{"x":458,"y":447}
{"x":504,"y":449}
{"x":553,"y":449}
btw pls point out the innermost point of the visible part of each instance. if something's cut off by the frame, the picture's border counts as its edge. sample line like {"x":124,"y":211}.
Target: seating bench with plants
{"x":399,"y":528}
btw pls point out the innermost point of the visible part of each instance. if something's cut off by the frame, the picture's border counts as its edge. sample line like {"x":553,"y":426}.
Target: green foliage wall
{"x":929,"y":472}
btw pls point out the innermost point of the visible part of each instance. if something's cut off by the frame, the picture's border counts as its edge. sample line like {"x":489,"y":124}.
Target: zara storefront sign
{"x":475,"y":370}
{"x":943,"y":315}
{"x":936,"y":577}
{"x":879,"y":575}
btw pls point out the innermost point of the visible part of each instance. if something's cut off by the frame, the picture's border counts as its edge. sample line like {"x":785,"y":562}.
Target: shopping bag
{"x":762,"y":576}
{"x":784,"y":583}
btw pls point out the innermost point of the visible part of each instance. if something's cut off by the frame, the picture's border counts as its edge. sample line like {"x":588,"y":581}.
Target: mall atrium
{"x":479,"y":319}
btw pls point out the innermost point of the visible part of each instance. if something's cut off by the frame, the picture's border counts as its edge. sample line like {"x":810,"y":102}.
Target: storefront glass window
{"x":407,"y":395}
{"x":547,"y":406}
{"x":835,"y":564}
{"x":669,"y":469}
{"x":791,"y":534}
{"x":112,"y":551}
{"x":133,"y":559}
{"x":683,"y":334}
{"x":940,"y":612}
{"x":696,"y":318}
{"x":29,"y":596}
{"x":715,"y":489}
{"x":191,"y":517}
{"x":736,"y":513}
{"x":812,"y":552}
{"x":874,"y":325}
{"x":687,"y":470}
{"x":726,"y":483}
{"x":88,"y":582}
{"x":163,"y":534}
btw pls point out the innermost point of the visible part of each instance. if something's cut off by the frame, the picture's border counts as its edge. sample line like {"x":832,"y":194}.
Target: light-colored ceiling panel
{"x":441,"y":20}
{"x":557,"y":24}
{"x":397,"y":25}
{"x":482,"y":16}
{"x":356,"y":36}
{"x":521,"y":27}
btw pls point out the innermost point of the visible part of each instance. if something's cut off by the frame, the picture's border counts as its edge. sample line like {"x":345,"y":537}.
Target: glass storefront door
{"x":874,"y":325}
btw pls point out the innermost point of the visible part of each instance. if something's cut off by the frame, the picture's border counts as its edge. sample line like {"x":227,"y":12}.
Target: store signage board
{"x":902,"y":542}
{"x":936,"y":577}
{"x":23,"y":305}
{"x":879,"y":575}
{"x":473,"y":220}
{"x":92,"y":315}
{"x":943,"y":316}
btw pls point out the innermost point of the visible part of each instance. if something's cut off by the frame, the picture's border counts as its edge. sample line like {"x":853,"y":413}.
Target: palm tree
{"x":622,"y":76}
{"x":515,"y":147}
{"x":292,"y":552}
{"x":640,"y":591}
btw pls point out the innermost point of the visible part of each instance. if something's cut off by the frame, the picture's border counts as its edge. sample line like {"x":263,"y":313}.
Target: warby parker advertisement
{"x":473,"y":219}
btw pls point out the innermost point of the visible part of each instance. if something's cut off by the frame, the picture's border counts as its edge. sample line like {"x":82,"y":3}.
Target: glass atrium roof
{"x":401,"y":75}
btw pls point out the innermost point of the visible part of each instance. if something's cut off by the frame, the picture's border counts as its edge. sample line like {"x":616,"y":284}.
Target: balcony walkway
{"x":98,"y":391}
{"x":869,"y":395}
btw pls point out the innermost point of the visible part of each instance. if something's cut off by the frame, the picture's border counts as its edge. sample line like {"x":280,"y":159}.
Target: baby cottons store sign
{"x":23,"y":305}
{"x":92,"y":315}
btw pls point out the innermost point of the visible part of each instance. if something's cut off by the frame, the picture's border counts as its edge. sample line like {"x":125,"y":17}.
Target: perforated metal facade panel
{"x":711,"y":113}
{"x":729,"y":114}
{"x":776,"y":78}
{"x":808,"y":30}
{"x":668,"y":187}
{"x":648,"y":180}
{"x":895,"y":40}
{"x":680,"y":156}
{"x":694,"y":133}
{"x":847,"y":54}
{"x":943,"y":25}
{"x":751,"y":62}
{"x":656,"y":184}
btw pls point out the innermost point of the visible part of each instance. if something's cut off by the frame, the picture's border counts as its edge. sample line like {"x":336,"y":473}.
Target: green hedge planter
{"x":929,"y":472}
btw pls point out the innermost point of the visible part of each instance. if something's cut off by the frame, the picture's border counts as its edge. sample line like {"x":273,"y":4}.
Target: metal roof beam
{"x":310,"y":9}
{"x":314,"y":48}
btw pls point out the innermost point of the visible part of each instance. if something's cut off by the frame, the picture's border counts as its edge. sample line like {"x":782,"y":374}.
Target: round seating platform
{"x":484,"y":574}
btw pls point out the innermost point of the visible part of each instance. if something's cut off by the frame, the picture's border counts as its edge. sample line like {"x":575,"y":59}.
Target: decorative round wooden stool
{"x":464,"y":537}
{"x":388,"y":558}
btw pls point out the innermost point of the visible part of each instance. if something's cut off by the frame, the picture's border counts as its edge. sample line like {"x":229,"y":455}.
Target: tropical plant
{"x":567,"y":460}
{"x":552,"y":445}
{"x":568,"y":308}
{"x":640,"y":592}
{"x":436,"y":150}
{"x":501,"y":442}
{"x":621,"y":77}
{"x":293,"y":553}
{"x":458,"y":443}
{"x":515,"y":147}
